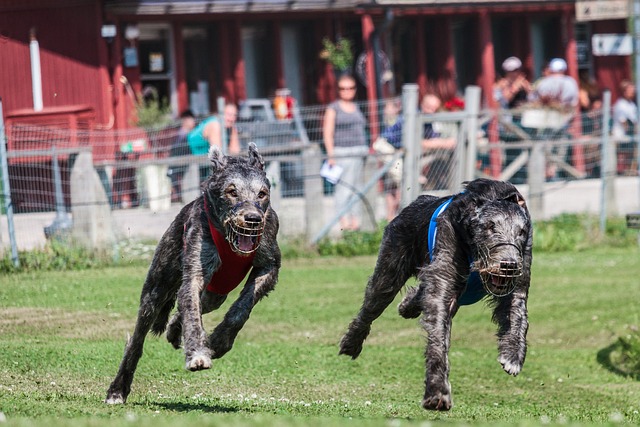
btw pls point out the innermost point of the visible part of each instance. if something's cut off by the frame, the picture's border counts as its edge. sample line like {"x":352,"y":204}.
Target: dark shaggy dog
{"x":482,"y":249}
{"x":206,"y":252}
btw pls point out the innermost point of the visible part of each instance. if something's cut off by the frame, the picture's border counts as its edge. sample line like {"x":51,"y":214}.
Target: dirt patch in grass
{"x":66,"y":324}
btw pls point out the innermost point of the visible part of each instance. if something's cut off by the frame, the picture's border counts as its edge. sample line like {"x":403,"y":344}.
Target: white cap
{"x":558,"y":65}
{"x":511,"y":64}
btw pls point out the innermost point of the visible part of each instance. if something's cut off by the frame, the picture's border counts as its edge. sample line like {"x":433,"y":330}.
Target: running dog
{"x":461,"y":248}
{"x":227,"y":232}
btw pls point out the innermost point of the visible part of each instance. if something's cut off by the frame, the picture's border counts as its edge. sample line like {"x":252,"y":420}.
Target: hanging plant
{"x":151,"y":111}
{"x":339,"y":54}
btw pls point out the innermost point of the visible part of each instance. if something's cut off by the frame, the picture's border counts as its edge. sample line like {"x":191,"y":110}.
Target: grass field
{"x":62,"y":336}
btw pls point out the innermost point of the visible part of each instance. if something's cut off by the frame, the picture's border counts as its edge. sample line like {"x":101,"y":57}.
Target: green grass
{"x":62,"y":336}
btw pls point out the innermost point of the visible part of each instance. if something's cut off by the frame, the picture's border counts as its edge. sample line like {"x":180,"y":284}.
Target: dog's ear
{"x":517,"y":198}
{"x":217,"y":159}
{"x":255,"y":159}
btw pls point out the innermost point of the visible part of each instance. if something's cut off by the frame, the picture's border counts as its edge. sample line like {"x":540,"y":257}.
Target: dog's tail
{"x":160,"y":324}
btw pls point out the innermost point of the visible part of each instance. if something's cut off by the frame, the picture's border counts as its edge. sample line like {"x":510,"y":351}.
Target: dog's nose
{"x":252,"y":217}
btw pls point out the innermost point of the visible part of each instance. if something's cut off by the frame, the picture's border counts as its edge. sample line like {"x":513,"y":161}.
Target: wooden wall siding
{"x":69,"y":39}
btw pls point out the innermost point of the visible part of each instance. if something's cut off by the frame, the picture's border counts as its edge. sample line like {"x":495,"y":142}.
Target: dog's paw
{"x":114,"y":398}
{"x":409,"y":307}
{"x":438,"y":402}
{"x":174,"y":336}
{"x":199,"y":361}
{"x":351,"y":342}
{"x":348,"y":348}
{"x":509,"y":366}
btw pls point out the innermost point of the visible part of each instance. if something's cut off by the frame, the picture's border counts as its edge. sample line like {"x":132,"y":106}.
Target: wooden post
{"x":313,"y":192}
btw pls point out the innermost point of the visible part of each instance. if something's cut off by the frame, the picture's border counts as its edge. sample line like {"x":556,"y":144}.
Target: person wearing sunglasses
{"x":346,"y":146}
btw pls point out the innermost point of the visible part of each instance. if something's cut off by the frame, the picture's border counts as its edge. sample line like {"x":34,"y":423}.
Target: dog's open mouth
{"x":500,"y":279}
{"x":245,"y":238}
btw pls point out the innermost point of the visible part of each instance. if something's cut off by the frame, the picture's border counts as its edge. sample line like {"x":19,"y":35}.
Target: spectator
{"x":437,"y":149}
{"x":590,"y":101}
{"x":389,"y":141}
{"x":209,"y":133}
{"x":180,"y":147}
{"x":625,"y":117}
{"x":346,"y":146}
{"x":512,"y":90}
{"x":557,"y":90}
{"x":432,"y":139}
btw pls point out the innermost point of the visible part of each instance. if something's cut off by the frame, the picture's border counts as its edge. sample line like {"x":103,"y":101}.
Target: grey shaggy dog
{"x":206,"y":252}
{"x":482,"y":250}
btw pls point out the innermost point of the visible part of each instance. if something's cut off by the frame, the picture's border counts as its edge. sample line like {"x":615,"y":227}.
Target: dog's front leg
{"x":259,"y":284}
{"x":197,"y":355}
{"x":439,"y":307}
{"x":511,"y":316}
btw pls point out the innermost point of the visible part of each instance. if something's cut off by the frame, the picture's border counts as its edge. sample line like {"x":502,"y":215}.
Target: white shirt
{"x":559,"y":88}
{"x":623,"y":110}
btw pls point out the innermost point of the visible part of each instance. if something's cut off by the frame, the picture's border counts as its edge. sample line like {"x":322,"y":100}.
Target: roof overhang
{"x":190,"y":7}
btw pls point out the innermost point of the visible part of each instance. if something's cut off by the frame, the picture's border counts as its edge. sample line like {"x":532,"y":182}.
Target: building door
{"x":292,"y":59}
{"x":200,"y":73}
{"x":255,"y":52}
{"x":157,"y":64}
{"x":546,"y":43}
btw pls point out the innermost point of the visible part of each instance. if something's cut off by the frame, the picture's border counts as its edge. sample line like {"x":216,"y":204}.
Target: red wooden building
{"x":102,"y":53}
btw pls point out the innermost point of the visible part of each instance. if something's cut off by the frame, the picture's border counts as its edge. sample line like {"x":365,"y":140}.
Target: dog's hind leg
{"x":150,"y":302}
{"x":390,"y":274}
{"x":209,"y":301}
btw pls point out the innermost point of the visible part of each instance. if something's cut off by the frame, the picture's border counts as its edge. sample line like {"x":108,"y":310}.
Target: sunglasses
{"x":347,"y":88}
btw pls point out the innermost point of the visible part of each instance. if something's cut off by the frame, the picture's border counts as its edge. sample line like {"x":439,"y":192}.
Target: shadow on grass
{"x":203,"y":407}
{"x":610,"y":358}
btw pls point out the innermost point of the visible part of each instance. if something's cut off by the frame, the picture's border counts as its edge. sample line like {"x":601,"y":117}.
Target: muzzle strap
{"x":475,"y":290}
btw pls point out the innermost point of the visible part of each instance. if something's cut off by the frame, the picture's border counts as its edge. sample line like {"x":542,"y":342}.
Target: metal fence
{"x":103,"y":187}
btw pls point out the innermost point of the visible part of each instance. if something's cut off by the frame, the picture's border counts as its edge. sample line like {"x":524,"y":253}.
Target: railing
{"x":137,"y":191}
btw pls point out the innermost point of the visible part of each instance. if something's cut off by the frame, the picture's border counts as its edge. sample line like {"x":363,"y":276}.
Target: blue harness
{"x":475,"y":291}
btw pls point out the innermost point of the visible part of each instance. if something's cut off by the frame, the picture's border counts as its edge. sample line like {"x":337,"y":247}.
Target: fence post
{"x":92,"y":224}
{"x":607,"y":165}
{"x":7,"y":192}
{"x":472,"y":108}
{"x":411,"y":143}
{"x":313,"y":191}
{"x":191,"y":182}
{"x":536,"y":179}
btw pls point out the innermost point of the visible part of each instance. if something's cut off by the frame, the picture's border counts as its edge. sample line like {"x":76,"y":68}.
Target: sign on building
{"x":611,"y":44}
{"x":596,"y":10}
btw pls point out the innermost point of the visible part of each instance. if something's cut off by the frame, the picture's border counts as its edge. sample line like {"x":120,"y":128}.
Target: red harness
{"x":233,"y":268}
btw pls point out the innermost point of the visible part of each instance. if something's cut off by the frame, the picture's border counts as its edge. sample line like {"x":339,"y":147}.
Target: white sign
{"x":595,"y":10}
{"x":611,"y":44}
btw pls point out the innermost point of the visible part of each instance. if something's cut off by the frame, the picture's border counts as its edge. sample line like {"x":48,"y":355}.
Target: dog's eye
{"x":491,"y":225}
{"x":232,"y":192}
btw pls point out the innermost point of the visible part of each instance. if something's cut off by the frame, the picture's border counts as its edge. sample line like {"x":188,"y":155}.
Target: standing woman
{"x":346,"y":146}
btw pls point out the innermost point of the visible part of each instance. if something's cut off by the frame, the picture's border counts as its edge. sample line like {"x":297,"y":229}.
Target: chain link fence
{"x":105,"y":186}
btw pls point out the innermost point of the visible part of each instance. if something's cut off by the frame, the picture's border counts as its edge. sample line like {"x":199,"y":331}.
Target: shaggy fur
{"x":236,"y":195}
{"x":486,"y":229}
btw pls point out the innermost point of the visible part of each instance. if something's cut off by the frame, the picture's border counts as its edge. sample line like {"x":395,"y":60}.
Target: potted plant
{"x":339,"y":54}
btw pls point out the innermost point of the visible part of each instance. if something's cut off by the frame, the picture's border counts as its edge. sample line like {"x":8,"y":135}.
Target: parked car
{"x":275,"y":138}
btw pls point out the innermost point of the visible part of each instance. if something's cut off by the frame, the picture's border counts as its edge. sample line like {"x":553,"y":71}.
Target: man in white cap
{"x":557,"y":89}
{"x":513,"y":89}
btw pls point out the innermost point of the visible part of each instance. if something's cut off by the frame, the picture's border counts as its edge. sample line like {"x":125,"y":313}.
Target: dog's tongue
{"x":245,"y":243}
